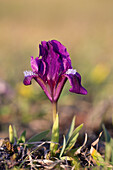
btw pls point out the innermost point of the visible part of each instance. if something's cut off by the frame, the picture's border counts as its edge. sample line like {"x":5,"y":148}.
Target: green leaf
{"x":38,"y":137}
{"x":112,"y":155}
{"x":71,"y":142}
{"x":97,"y":157}
{"x":73,"y":138}
{"x":11,"y":134}
{"x":107,"y":135}
{"x":55,"y":136}
{"x":70,"y":129}
{"x":108,"y":146}
{"x":76,"y":131}
{"x":63,"y":147}
{"x":22,"y":137}
{"x":15,"y":132}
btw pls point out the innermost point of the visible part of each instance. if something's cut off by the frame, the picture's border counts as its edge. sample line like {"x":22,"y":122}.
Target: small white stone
{"x":71,"y":71}
{"x":28,"y":73}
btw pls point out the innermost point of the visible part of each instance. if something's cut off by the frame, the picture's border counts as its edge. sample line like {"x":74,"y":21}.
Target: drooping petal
{"x":29,"y":75}
{"x":75,"y":82}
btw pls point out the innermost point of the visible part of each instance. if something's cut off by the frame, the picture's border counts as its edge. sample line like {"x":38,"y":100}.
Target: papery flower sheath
{"x":52,"y":69}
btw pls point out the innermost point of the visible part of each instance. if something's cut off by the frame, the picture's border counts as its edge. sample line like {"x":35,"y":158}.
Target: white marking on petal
{"x":71,"y":71}
{"x":28,"y":73}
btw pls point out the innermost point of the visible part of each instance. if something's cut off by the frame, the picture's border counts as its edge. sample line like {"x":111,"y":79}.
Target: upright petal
{"x":63,"y":54}
{"x":53,"y":64}
{"x":59,"y":48}
{"x":51,"y":60}
{"x":34,"y":65}
{"x":43,"y":49}
{"x":38,"y":66}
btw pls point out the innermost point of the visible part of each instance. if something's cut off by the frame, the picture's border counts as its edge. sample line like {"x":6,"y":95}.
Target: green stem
{"x":54,"y":111}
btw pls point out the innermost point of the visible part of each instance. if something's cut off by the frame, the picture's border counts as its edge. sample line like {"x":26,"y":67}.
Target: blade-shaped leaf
{"x":15,"y":132}
{"x":55,"y":136}
{"x":97,"y":157}
{"x":108,"y":146}
{"x":71,"y":142}
{"x":63,"y":147}
{"x":107,"y":135}
{"x":11,"y":134}
{"x":22,"y":137}
{"x":73,"y":138}
{"x":112,"y":155}
{"x":108,"y":152}
{"x":76,"y":131}
{"x":70,"y":129}
{"x":38,"y":137}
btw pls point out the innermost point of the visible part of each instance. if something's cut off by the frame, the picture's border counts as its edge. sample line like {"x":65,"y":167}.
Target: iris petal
{"x":29,"y":75}
{"x":34,"y":65}
{"x":75,"y":82}
{"x":52,"y":69}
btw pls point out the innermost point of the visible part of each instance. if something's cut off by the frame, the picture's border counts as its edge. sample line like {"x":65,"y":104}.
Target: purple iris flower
{"x":52,"y":69}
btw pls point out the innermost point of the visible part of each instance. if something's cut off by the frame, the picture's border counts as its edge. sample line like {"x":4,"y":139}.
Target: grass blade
{"x":71,"y":142}
{"x":70,"y":129}
{"x":15,"y":132}
{"x":107,"y":135}
{"x":73,"y":138}
{"x":63,"y":147}
{"x":38,"y":137}
{"x":108,"y":146}
{"x":76,"y":131}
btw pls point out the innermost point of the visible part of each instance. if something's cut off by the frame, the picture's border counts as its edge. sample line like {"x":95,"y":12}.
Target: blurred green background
{"x":86,"y":29}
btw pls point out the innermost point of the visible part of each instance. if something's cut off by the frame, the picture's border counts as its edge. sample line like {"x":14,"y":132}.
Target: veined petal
{"x":56,"y":57}
{"x":52,"y":70}
{"x":34,"y":65}
{"x":43,"y":49}
{"x":53,"y":64}
{"x":64,"y":57}
{"x":29,"y":75}
{"x":59,"y":48}
{"x":75,"y":81}
{"x":38,"y":66}
{"x":58,"y":88}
